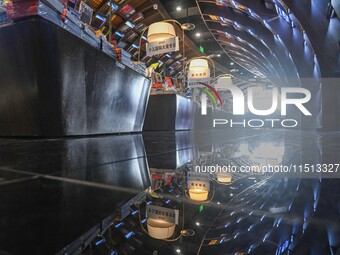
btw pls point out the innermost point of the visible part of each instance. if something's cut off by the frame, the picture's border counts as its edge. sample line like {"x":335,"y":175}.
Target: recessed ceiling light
{"x":198,"y":34}
{"x":178,"y":8}
{"x":232,"y":63}
{"x":197,"y":223}
{"x":241,"y":73}
{"x":178,"y":251}
{"x":218,"y":55}
{"x":188,"y":26}
{"x":255,"y":76}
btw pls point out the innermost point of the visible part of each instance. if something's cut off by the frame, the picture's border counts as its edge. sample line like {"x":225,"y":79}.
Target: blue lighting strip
{"x":119,"y":225}
{"x":113,"y":6}
{"x":100,"y":241}
{"x":130,"y":234}
{"x":100,"y":18}
{"x":130,"y":24}
{"x":119,"y":33}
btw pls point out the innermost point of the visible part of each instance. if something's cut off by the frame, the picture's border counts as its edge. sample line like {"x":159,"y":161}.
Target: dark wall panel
{"x":54,"y":84}
{"x":169,"y":112}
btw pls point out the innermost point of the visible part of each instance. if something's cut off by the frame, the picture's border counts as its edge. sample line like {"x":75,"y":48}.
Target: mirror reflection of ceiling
{"x":252,"y":212}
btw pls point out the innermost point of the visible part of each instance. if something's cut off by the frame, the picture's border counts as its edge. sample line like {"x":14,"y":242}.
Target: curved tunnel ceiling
{"x":266,"y":54}
{"x":272,"y":38}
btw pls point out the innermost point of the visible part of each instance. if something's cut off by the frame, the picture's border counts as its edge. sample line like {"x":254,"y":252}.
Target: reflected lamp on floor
{"x":199,"y":186}
{"x":160,"y":229}
{"x":161,"y":221}
{"x":224,"y":178}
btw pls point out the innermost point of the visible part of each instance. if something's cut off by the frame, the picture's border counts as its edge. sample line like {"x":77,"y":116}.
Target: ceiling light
{"x":178,"y":251}
{"x":160,"y":31}
{"x":197,"y":223}
{"x":218,"y":203}
{"x":232,"y":63}
{"x":188,"y":26}
{"x":198,"y":34}
{"x":255,"y":76}
{"x":218,"y":55}
{"x":199,"y":65}
{"x":179,"y":8}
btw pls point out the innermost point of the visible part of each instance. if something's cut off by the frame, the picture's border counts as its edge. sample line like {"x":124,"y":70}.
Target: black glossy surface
{"x":54,"y":191}
{"x":171,"y":112}
{"x":55,"y":84}
{"x":45,"y":215}
{"x":180,"y":149}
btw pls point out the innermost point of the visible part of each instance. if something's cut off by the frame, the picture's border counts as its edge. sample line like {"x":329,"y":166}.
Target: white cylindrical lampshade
{"x":160,"y":31}
{"x":199,"y":65}
{"x":160,"y":229}
{"x":224,"y":81}
{"x":198,"y":194}
{"x":224,"y":177}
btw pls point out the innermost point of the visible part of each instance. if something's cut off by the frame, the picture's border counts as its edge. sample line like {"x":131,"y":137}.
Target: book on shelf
{"x":127,"y":10}
{"x":121,"y":45}
{"x":106,"y":11}
{"x":72,"y":4}
{"x":140,"y":68}
{"x":132,"y":49}
{"x":124,"y":28}
{"x":86,"y":13}
{"x":146,"y":58}
{"x":178,"y":56}
{"x":137,"y":18}
{"x":140,"y":27}
{"x":169,"y":61}
{"x":119,"y":1}
{"x":131,"y":36}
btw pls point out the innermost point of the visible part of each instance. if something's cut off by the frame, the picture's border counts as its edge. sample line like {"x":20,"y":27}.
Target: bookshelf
{"x":127,"y":27}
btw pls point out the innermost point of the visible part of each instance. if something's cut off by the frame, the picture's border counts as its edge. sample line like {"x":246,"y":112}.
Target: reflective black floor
{"x":70,"y":196}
